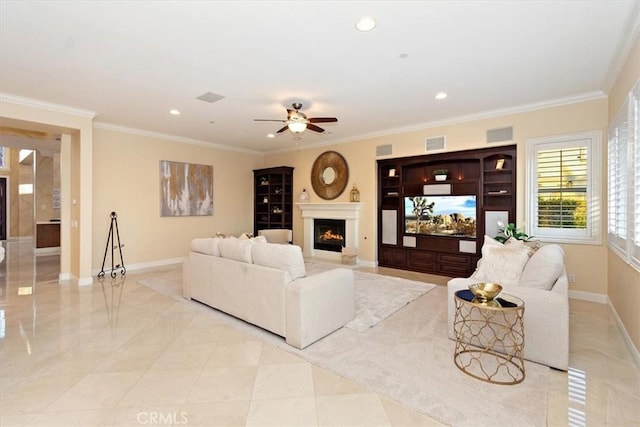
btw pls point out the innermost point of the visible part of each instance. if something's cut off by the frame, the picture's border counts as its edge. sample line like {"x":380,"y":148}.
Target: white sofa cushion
{"x":207,"y":246}
{"x":259,"y":239}
{"x":502,"y":263}
{"x":239,"y":250}
{"x":544,"y":268}
{"x":283,"y":257}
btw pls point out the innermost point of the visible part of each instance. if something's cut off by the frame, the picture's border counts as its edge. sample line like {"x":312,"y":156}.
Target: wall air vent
{"x":435,"y":143}
{"x":384,"y":150}
{"x":500,"y":135}
{"x":210,"y":97}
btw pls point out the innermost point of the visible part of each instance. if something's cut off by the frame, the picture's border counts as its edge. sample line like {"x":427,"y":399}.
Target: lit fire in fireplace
{"x":329,"y":235}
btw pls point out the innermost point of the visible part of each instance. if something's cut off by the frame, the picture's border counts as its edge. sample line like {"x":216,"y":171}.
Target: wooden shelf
{"x":469,"y":172}
{"x":273,"y":198}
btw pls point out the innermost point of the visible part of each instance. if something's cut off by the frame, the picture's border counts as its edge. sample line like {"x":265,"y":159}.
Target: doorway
{"x":3,"y":208}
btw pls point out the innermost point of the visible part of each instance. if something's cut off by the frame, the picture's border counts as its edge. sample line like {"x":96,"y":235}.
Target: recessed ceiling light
{"x":441,"y":95}
{"x":366,"y":23}
{"x":174,"y":111}
{"x":271,"y":135}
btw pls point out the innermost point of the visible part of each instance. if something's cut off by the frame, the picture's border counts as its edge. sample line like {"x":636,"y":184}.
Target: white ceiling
{"x":132,"y":61}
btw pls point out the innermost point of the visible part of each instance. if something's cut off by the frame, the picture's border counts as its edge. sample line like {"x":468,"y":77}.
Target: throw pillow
{"x":283,"y":257}
{"x":544,"y":268}
{"x":239,"y":250}
{"x":491,"y":241}
{"x":502,"y":264}
{"x":532,"y":247}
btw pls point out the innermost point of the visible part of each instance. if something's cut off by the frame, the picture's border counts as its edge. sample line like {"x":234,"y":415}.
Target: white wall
{"x":126,"y":181}
{"x":587,"y":262}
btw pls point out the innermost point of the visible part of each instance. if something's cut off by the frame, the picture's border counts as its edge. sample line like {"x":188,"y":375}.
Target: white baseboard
{"x":143,"y":265}
{"x":84,"y":281}
{"x":68,"y":277}
{"x":633,"y":351}
{"x":47,"y":251}
{"x":604,"y":299}
{"x":370,"y":264}
{"x":588,"y":296}
{"x":151,"y":264}
{"x":20,"y":239}
{"x":62,"y":277}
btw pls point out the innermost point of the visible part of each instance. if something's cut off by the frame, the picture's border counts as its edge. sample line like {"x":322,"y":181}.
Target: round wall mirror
{"x":329,"y":175}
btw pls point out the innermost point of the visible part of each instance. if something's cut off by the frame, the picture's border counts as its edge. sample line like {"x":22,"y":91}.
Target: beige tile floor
{"x":118,"y":353}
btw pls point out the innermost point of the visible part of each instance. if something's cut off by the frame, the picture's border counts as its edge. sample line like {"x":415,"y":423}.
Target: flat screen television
{"x":440,"y":215}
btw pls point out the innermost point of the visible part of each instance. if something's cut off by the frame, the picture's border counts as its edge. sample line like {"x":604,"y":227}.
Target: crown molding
{"x":523,"y":108}
{"x":44,"y":105}
{"x":172,"y":138}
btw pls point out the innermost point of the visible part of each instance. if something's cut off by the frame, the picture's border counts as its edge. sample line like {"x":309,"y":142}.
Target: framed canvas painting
{"x":186,"y":189}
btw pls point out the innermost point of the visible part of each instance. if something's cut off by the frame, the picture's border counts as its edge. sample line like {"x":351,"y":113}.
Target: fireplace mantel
{"x":350,"y":212}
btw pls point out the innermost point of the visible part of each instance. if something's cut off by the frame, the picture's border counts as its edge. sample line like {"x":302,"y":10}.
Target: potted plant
{"x":510,"y":230}
{"x":440,"y":174}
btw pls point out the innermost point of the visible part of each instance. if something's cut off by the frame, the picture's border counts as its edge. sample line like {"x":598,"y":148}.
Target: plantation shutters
{"x":563,"y":187}
{"x":623,"y":173}
{"x":635,"y":148}
{"x":617,"y":180}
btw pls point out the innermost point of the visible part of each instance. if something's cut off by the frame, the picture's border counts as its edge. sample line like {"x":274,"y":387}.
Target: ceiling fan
{"x":297,"y":121}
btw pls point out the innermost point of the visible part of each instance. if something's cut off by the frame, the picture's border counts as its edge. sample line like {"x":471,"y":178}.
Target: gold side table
{"x":490,"y":338}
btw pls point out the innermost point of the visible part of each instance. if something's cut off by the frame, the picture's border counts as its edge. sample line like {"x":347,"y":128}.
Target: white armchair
{"x":543,"y":286}
{"x":277,"y":235}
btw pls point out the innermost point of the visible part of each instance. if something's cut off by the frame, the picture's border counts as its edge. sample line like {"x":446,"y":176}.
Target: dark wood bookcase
{"x":488,"y":173}
{"x":273,"y":198}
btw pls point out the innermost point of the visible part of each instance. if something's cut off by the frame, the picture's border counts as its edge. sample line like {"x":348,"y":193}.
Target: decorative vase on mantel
{"x":304,"y":196}
{"x":354,"y":194}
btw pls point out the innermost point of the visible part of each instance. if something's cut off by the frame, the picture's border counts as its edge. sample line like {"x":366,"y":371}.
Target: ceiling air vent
{"x":500,"y":135}
{"x":384,"y":150}
{"x":436,"y":143}
{"x":210,"y":97}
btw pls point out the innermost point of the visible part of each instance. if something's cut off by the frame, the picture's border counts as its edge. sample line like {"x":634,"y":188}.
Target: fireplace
{"x":347,"y":212}
{"x":329,"y":234}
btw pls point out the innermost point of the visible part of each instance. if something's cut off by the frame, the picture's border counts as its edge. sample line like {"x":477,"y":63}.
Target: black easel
{"x":110,"y":238}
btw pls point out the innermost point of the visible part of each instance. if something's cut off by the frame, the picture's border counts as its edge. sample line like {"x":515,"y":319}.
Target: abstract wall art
{"x":186,"y":189}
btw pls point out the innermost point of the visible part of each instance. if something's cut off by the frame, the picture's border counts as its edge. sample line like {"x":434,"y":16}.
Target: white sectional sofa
{"x":540,"y":280}
{"x":265,"y":284}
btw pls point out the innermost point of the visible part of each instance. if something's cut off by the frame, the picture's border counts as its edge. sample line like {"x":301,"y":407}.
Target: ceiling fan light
{"x":297,"y":127}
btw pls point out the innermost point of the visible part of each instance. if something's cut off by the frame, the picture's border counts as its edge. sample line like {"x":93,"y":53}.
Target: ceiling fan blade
{"x":283,"y":129}
{"x":314,"y":128}
{"x":269,"y":120}
{"x":322,"y":120}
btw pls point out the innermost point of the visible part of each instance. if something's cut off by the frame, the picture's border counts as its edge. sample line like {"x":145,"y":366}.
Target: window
{"x":623,"y":227}
{"x":4,"y":158}
{"x":563,"y":188}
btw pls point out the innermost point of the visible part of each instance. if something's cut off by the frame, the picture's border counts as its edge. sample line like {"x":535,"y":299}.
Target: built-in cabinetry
{"x":47,"y":234}
{"x":485,"y":175}
{"x":273,"y":198}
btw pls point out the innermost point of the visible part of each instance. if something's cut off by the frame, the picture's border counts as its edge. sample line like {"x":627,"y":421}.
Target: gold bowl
{"x":485,"y":292}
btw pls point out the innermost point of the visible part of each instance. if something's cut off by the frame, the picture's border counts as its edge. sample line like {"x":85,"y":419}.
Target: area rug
{"x":408,"y":358}
{"x":377,"y":297}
